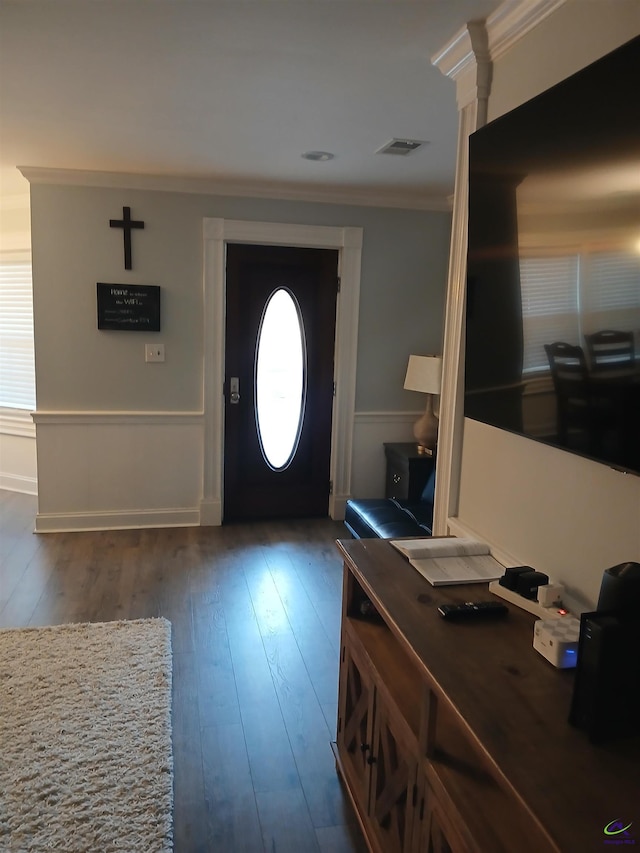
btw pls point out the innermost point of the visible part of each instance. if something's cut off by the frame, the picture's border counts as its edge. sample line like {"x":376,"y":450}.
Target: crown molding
{"x":509,"y":23}
{"x":455,"y":57}
{"x":326,"y":194}
{"x":514,"y":19}
{"x":466,"y":60}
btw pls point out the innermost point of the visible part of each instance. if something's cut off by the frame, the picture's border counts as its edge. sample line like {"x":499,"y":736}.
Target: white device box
{"x":542,"y":612}
{"x":557,"y":640}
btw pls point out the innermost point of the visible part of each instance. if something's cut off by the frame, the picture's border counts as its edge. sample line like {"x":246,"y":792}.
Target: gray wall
{"x":79,"y":368}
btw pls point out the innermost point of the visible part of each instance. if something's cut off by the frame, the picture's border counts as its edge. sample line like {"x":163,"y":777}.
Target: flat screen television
{"x":554,"y":257}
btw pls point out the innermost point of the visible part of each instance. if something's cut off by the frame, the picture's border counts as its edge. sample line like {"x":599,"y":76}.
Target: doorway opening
{"x":218,"y":233}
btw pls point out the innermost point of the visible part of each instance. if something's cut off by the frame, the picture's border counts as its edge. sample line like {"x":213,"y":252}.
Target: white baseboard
{"x":17,"y":483}
{"x":138,"y":519}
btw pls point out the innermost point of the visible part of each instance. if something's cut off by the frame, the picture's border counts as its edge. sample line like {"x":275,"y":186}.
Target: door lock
{"x":234,"y":390}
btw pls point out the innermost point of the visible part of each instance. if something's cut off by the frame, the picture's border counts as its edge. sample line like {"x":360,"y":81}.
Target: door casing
{"x":348,"y":242}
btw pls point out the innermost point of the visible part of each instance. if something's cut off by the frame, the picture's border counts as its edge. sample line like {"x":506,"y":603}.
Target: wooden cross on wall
{"x":126,"y":223}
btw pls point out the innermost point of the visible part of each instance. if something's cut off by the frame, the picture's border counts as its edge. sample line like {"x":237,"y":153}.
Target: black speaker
{"x":620,"y":589}
{"x":606,"y":692}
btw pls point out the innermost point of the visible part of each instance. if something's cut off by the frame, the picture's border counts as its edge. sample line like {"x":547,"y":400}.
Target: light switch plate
{"x":154,"y":352}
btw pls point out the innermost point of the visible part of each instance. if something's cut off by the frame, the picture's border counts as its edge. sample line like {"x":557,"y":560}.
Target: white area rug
{"x":85,"y":738}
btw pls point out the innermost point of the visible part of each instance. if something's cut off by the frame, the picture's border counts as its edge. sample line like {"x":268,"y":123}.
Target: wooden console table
{"x":454,"y":737}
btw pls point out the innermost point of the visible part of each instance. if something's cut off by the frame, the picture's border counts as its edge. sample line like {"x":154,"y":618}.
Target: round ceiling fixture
{"x":318,"y":156}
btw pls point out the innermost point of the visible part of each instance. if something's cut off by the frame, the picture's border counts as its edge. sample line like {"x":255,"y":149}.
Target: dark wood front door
{"x":257,"y":485}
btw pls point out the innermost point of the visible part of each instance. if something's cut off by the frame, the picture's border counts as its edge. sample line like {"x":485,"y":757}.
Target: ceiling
{"x":233,"y":92}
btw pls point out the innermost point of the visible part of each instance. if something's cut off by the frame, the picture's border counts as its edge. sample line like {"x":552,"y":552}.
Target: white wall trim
{"x":388,"y":417}
{"x":348,"y":241}
{"x":17,"y":422}
{"x":18,"y":469}
{"x":107,"y":470}
{"x":448,"y":463}
{"x":96,"y":418}
{"x":468,"y":59}
{"x":504,"y":27}
{"x":116,"y":520}
{"x":513,"y":20}
{"x":406,"y":198}
{"x":18,"y":483}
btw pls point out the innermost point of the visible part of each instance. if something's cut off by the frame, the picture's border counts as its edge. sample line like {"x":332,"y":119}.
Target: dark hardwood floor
{"x":255,"y":614}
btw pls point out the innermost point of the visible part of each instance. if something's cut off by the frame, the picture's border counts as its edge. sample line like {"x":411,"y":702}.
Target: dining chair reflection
{"x":610,"y":349}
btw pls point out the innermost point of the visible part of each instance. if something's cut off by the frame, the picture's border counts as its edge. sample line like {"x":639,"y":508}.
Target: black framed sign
{"x":128,"y":307}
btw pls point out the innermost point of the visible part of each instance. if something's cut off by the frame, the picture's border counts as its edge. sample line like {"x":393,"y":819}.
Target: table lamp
{"x":424,"y":373}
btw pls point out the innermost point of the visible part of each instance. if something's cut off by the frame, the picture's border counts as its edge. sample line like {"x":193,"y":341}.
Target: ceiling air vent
{"x":402,"y":146}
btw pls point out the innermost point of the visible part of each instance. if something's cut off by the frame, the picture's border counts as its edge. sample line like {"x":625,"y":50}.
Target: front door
{"x":280,"y":335}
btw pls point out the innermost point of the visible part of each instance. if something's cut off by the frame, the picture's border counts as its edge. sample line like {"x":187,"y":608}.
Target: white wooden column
{"x":466,"y":60}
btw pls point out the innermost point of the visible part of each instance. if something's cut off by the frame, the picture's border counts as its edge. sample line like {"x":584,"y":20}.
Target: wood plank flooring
{"x":255,"y":614}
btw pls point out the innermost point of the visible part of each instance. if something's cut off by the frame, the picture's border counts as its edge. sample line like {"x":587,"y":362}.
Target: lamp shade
{"x":424,"y":373}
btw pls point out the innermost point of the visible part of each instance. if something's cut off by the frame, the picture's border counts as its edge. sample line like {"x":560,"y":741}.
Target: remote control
{"x":472,"y":610}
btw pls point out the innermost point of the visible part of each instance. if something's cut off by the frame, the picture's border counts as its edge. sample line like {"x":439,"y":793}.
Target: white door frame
{"x":348,"y":242}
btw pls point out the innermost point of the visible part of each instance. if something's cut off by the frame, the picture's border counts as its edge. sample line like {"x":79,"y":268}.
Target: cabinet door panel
{"x":393,"y":776}
{"x":435,"y":832}
{"x":355,"y":722}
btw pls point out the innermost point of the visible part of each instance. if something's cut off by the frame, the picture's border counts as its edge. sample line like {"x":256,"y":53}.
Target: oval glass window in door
{"x":280,"y":378}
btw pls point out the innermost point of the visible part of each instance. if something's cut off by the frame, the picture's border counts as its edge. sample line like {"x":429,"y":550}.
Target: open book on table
{"x":450,"y":560}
